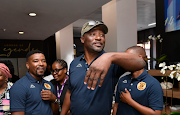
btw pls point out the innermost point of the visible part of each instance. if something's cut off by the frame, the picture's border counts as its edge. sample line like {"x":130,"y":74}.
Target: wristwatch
{"x":56,"y":101}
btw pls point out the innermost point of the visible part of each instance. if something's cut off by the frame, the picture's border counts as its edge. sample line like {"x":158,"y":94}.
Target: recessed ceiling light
{"x":151,"y":24}
{"x":32,"y":14}
{"x":21,"y":32}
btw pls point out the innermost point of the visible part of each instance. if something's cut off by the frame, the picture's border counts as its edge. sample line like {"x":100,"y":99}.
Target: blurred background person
{"x":48,"y":70}
{"x":60,"y":81}
{"x":48,"y":75}
{"x":9,"y":64}
{"x":4,"y":89}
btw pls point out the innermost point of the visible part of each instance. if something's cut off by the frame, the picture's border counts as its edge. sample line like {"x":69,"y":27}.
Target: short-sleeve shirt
{"x":91,"y":102}
{"x":25,"y":95}
{"x":145,"y":90}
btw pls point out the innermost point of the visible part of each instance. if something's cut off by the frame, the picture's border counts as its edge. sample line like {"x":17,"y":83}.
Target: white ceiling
{"x":53,"y":15}
{"x":146,"y":14}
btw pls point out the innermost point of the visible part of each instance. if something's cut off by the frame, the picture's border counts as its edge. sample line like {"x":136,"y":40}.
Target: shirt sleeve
{"x":156,"y":97}
{"x":17,"y":98}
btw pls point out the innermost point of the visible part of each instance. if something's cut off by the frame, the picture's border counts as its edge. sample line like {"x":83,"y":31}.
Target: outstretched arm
{"x":100,"y":67}
{"x":126,"y":98}
{"x":66,"y":103}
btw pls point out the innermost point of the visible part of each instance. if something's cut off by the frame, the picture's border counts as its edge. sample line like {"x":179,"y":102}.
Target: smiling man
{"x":84,"y":98}
{"x":32,"y":94}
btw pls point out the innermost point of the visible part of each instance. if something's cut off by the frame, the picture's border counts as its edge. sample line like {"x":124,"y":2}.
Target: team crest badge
{"x":141,"y":85}
{"x":47,"y":86}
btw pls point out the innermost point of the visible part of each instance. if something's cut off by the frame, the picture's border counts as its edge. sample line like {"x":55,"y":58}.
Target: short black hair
{"x":33,"y":52}
{"x":138,"y":50}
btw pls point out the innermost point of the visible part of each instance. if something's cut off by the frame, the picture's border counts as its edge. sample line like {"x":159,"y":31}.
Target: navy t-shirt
{"x":145,"y":90}
{"x":25,"y":95}
{"x":91,"y":102}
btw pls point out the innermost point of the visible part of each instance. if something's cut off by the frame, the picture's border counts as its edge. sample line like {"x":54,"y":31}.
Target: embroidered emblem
{"x":125,"y":81}
{"x":141,"y":85}
{"x":47,"y":86}
{"x":79,"y":65}
{"x":32,"y":86}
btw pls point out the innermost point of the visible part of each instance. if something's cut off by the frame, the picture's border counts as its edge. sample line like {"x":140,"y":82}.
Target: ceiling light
{"x":21,"y":32}
{"x":32,"y":14}
{"x":151,"y":24}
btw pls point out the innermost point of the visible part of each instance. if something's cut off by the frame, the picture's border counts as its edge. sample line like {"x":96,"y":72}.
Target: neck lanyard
{"x":59,"y":93}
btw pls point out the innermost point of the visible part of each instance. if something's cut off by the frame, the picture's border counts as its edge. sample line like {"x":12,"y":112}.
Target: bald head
{"x":137,"y":50}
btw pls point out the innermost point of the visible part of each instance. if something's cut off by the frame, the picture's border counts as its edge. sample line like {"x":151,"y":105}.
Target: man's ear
{"x":82,"y":40}
{"x":141,"y":56}
{"x":27,"y":65}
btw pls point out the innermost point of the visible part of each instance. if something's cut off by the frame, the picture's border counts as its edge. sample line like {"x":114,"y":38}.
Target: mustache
{"x":41,"y":68}
{"x":40,"y":75}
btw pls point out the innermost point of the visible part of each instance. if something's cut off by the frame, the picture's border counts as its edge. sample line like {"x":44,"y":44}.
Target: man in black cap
{"x":32,"y":94}
{"x":96,"y":67}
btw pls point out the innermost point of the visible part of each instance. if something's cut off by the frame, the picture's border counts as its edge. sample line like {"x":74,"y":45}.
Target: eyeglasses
{"x":56,"y":71}
{"x":93,"y":22}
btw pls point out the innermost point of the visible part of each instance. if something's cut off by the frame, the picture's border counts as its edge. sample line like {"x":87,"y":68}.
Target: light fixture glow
{"x":32,"y":14}
{"x":21,"y":32}
{"x":151,"y":24}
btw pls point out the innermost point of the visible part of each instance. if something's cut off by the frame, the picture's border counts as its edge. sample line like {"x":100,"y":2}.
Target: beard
{"x":40,"y":75}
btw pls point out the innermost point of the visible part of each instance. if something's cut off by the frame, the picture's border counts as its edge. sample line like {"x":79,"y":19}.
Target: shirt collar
{"x":82,"y":56}
{"x":32,"y":79}
{"x":142,"y":76}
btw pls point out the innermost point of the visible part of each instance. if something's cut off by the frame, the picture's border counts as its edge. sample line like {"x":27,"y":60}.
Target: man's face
{"x":36,"y":65}
{"x":94,"y":40}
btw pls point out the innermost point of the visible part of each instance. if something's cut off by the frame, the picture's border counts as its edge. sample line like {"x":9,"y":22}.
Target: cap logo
{"x":141,"y":85}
